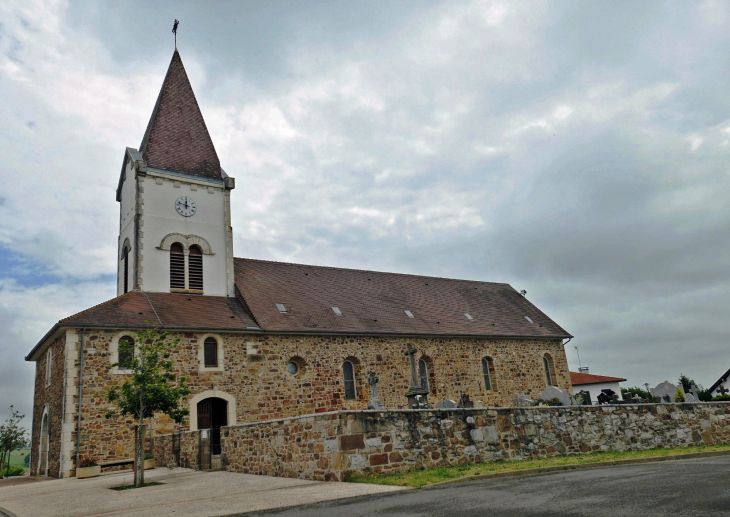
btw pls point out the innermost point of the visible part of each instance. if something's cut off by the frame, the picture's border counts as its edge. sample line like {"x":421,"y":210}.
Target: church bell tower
{"x":175,"y":202}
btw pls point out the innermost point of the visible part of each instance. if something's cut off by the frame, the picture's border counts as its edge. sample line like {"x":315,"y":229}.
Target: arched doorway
{"x":43,"y":445}
{"x":213,"y":414}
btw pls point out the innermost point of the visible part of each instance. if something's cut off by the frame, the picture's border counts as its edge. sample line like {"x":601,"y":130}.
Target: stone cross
{"x":723,"y":390}
{"x":411,"y":353}
{"x":695,"y":393}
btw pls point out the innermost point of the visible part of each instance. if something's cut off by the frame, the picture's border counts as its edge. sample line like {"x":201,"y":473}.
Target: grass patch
{"x":131,"y":487}
{"x":420,"y":478}
{"x":17,"y":458}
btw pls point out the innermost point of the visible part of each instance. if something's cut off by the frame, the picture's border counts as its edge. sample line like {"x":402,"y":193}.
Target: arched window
{"x":423,"y":373}
{"x":547,"y":364}
{"x":125,"y":352}
{"x":177,"y":266}
{"x":210,"y":352}
{"x":348,"y":369}
{"x":195,"y":269}
{"x":125,"y":266}
{"x":488,"y":373}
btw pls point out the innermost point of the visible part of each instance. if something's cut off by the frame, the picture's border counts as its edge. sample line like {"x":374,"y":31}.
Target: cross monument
{"x":417,"y":394}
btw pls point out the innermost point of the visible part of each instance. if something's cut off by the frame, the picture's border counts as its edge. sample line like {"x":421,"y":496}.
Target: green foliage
{"x":636,"y":391}
{"x":149,"y":456}
{"x":687,"y":383}
{"x":13,"y":471}
{"x":12,"y":436}
{"x":721,"y":398}
{"x":26,"y":460}
{"x":679,"y":396}
{"x":151,"y":387}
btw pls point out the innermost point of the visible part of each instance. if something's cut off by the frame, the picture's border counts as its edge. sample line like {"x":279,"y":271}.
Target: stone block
{"x":351,"y":442}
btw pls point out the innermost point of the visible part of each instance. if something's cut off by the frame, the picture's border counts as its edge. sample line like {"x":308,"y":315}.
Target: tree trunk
{"x":139,"y":457}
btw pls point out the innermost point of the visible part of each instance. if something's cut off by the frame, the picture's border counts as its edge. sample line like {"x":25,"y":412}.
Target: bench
{"x":115,"y":463}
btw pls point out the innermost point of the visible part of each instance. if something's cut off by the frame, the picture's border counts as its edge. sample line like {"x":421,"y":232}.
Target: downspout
{"x":81,"y":391}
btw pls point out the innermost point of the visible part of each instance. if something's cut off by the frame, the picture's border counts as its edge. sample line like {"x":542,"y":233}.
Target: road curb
{"x":6,"y":513}
{"x":580,"y":466}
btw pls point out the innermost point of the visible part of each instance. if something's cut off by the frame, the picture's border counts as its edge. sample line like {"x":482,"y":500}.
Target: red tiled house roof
{"x":578,"y":379}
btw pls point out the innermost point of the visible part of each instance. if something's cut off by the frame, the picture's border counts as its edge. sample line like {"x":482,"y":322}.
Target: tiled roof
{"x":577,"y":378}
{"x":177,"y":138}
{"x":166,"y":309}
{"x":369,"y":302}
{"x":375,"y":302}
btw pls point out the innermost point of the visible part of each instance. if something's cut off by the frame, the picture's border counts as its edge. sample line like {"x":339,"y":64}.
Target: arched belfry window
{"x":348,"y":370}
{"x":177,"y":266}
{"x":125,"y":267}
{"x":195,"y":268}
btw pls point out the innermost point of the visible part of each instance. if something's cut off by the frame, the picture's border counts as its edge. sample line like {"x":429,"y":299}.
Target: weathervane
{"x":174,"y":31}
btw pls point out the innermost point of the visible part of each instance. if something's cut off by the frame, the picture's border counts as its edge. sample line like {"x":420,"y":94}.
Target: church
{"x":263,"y":340}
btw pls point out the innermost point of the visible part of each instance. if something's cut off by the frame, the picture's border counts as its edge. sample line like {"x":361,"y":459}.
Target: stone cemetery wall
{"x":338,"y":445}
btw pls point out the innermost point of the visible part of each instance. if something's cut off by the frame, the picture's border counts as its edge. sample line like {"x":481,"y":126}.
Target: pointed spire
{"x":176,"y":138}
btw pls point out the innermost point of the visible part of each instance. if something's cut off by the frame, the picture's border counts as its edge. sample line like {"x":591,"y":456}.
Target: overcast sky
{"x":577,"y":150}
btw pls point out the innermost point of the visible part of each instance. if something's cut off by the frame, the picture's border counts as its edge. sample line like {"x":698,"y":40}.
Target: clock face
{"x":185,"y":206}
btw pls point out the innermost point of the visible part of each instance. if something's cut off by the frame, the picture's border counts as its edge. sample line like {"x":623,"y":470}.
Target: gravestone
{"x":446,"y":404}
{"x":694,"y":393}
{"x":553,"y":392}
{"x":586,"y":398}
{"x":374,"y":402}
{"x":521,"y":400}
{"x":665,"y":391}
{"x":464,"y":401}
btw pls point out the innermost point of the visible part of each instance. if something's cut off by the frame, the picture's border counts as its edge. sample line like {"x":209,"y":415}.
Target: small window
{"x":348,"y":369}
{"x":548,"y":374}
{"x":125,"y":352}
{"x":292,"y":367}
{"x":423,"y":373}
{"x":49,"y":366}
{"x":177,"y":266}
{"x":210,"y":352}
{"x":488,"y":373}
{"x":195,"y":269}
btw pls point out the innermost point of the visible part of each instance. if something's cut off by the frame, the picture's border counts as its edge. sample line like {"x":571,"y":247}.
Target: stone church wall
{"x":52,"y":397}
{"x":338,"y":445}
{"x":264,"y":390}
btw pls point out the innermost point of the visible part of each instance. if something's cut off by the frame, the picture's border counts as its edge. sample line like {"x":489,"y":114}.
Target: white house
{"x":593,"y":384}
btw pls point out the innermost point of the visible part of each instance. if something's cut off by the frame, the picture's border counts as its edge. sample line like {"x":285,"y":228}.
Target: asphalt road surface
{"x":687,"y":487}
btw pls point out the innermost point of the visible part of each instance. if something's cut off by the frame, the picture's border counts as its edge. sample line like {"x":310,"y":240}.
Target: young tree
{"x":151,"y":387}
{"x":12,"y":437}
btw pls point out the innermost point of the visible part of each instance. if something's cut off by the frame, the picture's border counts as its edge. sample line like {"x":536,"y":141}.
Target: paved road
{"x":689,"y":487}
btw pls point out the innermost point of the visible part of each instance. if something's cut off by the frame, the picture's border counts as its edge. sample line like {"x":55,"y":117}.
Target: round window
{"x":292,"y":367}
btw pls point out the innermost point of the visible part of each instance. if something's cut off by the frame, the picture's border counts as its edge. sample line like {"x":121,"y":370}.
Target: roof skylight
{"x":281,"y":308}
{"x":468,"y":316}
{"x":528,"y":319}
{"x":409,"y":314}
{"x":337,"y":311}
